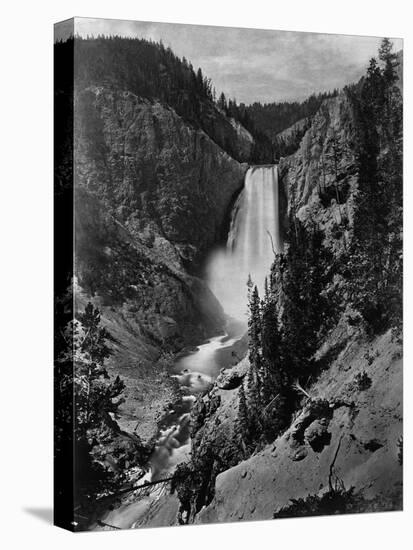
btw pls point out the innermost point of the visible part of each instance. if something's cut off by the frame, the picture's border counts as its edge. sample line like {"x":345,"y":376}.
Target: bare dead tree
{"x":300,"y":389}
{"x":269,"y":404}
{"x":142,"y":486}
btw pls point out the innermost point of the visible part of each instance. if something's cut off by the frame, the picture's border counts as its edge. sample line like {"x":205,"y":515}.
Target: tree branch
{"x":300,"y":389}
{"x":330,"y":476}
{"x":270,"y":403}
{"x":272,"y":243}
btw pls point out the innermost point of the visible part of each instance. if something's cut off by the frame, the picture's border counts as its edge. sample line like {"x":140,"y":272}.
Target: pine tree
{"x":372,"y":94}
{"x":253,"y":405}
{"x":222,"y":102}
{"x":243,"y":420}
{"x":271,"y":344}
{"x":87,"y":397}
{"x":306,"y":312}
{"x":254,"y":323}
{"x":95,"y":394}
{"x":250,"y":286}
{"x":266,"y":290}
{"x":199,"y":80}
{"x":375,"y":256}
{"x":389,"y":59}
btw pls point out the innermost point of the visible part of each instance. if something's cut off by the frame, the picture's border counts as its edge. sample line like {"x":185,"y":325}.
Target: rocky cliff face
{"x":320,"y":179}
{"x":227,"y":132}
{"x":159,"y":176}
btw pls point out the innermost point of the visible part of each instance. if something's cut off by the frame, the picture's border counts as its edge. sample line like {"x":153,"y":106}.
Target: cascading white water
{"x":253,"y":237}
{"x":249,"y":250}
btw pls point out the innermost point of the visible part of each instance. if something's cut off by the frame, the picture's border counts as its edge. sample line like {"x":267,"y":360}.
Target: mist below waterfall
{"x":253,"y":238}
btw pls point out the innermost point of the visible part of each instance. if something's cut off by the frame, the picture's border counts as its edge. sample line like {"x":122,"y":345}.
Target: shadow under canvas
{"x":44,"y":514}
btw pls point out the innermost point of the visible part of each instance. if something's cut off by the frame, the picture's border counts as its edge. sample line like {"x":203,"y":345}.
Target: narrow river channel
{"x":195,"y":372}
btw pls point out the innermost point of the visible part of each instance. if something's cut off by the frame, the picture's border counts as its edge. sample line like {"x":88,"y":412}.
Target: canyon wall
{"x":320,"y":178}
{"x":152,"y":195}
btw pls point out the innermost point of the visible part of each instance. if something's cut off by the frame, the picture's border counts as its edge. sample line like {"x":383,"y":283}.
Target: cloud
{"x":256,"y":65}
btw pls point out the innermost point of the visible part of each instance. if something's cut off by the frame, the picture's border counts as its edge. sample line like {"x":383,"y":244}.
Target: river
{"x":253,"y":239}
{"x":195,"y":372}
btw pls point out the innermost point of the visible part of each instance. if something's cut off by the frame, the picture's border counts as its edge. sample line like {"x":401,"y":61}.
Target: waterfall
{"x":253,"y":237}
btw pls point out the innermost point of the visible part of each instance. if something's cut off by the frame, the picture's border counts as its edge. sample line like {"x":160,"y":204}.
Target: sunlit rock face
{"x":320,"y":178}
{"x":253,"y":239}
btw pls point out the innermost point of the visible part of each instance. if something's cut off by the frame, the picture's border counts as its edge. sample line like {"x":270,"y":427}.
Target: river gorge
{"x":253,"y":239}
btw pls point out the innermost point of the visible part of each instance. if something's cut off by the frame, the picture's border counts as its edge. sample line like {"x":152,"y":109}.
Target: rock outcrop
{"x":232,"y":378}
{"x":320,"y":178}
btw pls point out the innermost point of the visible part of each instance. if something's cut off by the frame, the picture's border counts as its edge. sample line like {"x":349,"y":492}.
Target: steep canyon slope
{"x":152,"y":196}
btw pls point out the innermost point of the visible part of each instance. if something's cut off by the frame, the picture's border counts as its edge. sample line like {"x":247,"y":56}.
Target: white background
{"x":26,"y":271}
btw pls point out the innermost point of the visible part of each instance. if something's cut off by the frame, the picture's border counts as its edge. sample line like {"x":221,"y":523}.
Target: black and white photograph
{"x":228,"y":274}
{"x":205,"y":312}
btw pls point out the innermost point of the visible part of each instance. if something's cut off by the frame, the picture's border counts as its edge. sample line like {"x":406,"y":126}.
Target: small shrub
{"x":397,"y":335}
{"x":369,"y":357}
{"x":362,"y":381}
{"x":340,"y":501}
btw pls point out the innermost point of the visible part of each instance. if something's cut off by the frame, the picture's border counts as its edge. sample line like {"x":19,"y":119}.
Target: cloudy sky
{"x":254,"y":65}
